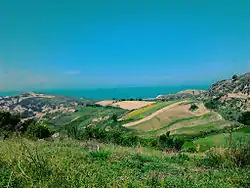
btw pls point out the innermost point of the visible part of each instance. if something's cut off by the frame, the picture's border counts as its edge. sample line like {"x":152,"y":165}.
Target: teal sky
{"x":77,"y":44}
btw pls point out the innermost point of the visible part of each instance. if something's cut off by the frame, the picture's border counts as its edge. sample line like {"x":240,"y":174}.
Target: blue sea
{"x":113,"y":93}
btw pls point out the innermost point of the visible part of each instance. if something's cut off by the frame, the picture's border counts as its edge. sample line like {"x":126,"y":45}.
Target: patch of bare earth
{"x":132,"y":105}
{"x":106,"y":102}
{"x":128,"y":105}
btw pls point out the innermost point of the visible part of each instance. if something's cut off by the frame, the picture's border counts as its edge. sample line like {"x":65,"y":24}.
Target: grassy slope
{"x":198,"y":126}
{"x":222,"y":140}
{"x":85,"y":115}
{"x":69,"y":163}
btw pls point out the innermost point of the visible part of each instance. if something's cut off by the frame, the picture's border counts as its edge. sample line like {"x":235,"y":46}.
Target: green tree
{"x":9,"y":123}
{"x":193,"y":107}
{"x":37,"y":130}
{"x":245,"y":118}
{"x":114,"y":118}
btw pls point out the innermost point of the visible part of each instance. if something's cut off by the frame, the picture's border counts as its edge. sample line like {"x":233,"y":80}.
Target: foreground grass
{"x":70,"y":163}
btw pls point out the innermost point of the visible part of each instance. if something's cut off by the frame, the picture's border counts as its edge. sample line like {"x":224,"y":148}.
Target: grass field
{"x":222,"y":140}
{"x":70,"y":163}
{"x":198,"y":125}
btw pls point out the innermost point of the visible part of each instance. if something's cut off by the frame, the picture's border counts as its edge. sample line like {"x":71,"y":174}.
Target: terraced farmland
{"x":179,"y":119}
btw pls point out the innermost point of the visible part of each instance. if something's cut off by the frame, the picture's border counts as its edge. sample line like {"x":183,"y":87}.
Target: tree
{"x":234,"y":77}
{"x":114,"y":117}
{"x":212,"y":104}
{"x":9,"y":123}
{"x":193,"y":107}
{"x":38,"y":131}
{"x":245,"y":118}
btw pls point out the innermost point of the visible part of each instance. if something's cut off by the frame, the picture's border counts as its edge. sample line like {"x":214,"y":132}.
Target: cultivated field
{"x":179,"y":119}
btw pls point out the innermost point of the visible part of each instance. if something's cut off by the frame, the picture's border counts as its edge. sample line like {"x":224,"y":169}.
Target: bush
{"x":179,"y":158}
{"x":212,"y":104}
{"x":9,"y":123}
{"x":213,"y":159}
{"x":238,"y":155}
{"x":245,"y":118}
{"x":100,"y":155}
{"x":189,"y":147}
{"x":114,"y":117}
{"x":38,"y":131}
{"x":234,"y":78}
{"x":122,"y":137}
{"x":230,"y":114}
{"x":193,"y":107}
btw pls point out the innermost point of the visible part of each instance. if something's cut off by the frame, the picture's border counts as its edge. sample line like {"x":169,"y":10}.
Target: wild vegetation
{"x":70,"y":163}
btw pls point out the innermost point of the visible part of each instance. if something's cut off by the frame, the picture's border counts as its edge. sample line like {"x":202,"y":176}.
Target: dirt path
{"x":77,"y":117}
{"x":152,"y":115}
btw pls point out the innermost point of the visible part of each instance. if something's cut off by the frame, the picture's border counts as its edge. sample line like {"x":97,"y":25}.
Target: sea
{"x":113,"y":93}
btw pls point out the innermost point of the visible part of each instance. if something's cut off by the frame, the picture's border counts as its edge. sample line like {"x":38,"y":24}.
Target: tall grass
{"x":70,"y":163}
{"x":236,"y":155}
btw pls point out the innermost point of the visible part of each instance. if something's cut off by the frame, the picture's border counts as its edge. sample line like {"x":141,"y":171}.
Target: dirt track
{"x":152,"y":115}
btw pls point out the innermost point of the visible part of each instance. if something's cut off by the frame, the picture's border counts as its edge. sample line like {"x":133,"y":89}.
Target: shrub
{"x":114,"y":117}
{"x":38,"y":131}
{"x":122,"y":137}
{"x":245,"y":118}
{"x":189,"y":147}
{"x":213,"y":159}
{"x":237,"y":155}
{"x":179,"y":158}
{"x":230,"y":114}
{"x":100,"y":155}
{"x":234,"y":78}
{"x":9,"y":123}
{"x":212,"y":104}
{"x":129,"y":140}
{"x":193,"y":107}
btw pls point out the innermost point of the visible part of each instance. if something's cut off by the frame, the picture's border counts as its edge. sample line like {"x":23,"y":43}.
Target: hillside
{"x":237,"y":85}
{"x":234,"y":93}
{"x":37,"y":105}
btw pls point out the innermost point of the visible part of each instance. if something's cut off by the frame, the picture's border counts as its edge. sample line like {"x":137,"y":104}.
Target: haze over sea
{"x":117,"y":93}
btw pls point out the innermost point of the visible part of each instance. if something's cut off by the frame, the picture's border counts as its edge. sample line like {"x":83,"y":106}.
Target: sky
{"x":80,"y":44}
